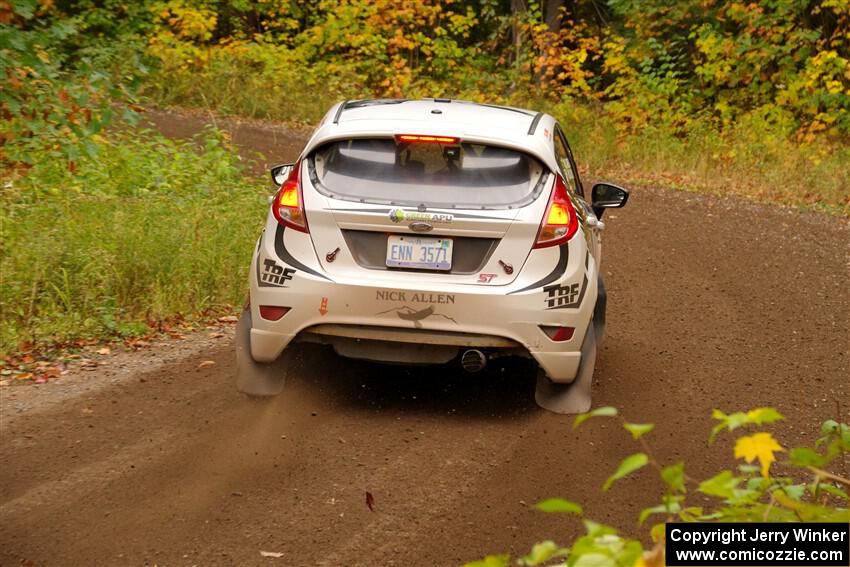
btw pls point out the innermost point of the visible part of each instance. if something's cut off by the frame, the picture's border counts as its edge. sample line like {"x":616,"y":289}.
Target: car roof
{"x":460,"y":111}
{"x":525,"y":130}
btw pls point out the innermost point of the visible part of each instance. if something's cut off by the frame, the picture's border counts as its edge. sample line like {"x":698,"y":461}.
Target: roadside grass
{"x":755,"y":159}
{"x":750,"y":160}
{"x":253,"y":80}
{"x":149,"y":230}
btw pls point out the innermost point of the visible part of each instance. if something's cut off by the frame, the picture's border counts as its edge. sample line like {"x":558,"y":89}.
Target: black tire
{"x":599,"y":311}
{"x":254,"y":378}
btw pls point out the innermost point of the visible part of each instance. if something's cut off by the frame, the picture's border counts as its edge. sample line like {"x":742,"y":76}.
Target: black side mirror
{"x":607,"y":196}
{"x":280,"y":173}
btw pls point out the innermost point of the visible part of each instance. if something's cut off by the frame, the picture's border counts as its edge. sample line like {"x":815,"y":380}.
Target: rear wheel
{"x":575,"y":396}
{"x":252,"y":377}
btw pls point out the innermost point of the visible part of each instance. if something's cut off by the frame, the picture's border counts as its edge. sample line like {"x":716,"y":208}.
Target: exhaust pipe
{"x":473,"y":360}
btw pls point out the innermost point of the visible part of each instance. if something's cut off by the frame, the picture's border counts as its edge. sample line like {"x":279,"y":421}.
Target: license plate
{"x":419,"y":253}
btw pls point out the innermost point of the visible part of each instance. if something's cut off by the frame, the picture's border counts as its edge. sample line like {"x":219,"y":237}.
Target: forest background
{"x":746,"y":99}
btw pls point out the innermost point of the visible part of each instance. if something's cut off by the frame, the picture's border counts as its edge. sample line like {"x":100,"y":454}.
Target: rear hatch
{"x":441,"y":209}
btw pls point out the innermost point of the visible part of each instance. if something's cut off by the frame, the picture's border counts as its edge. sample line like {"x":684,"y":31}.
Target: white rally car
{"x":432,"y":231}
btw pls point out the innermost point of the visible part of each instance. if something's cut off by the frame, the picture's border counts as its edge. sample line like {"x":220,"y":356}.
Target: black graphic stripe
{"x":555,"y":274}
{"x":283,"y":254}
{"x":260,"y":281}
{"x":584,"y":283}
{"x":581,"y":293}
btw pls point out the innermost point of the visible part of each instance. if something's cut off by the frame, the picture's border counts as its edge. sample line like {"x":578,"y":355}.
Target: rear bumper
{"x":466,"y":316}
{"x":560,"y":366}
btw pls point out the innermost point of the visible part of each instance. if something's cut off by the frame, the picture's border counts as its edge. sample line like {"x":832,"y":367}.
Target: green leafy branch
{"x":808,"y":493}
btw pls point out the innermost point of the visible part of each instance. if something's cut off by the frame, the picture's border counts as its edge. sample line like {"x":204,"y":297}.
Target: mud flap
{"x":574,"y":397}
{"x":252,"y":377}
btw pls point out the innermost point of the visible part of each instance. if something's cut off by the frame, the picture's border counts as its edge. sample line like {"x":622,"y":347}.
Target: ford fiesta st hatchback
{"x":429,"y":232}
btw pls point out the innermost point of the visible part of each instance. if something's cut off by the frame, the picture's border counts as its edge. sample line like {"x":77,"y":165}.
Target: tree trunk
{"x":518,"y":10}
{"x":553,"y":15}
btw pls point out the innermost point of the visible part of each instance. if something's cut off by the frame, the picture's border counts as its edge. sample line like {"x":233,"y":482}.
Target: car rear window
{"x":465,"y":175}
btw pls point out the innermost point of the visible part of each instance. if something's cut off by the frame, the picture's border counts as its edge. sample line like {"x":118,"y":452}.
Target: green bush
{"x":254,"y":79}
{"x":755,"y":158}
{"x":804,"y":490}
{"x":150,"y":229}
{"x":55,"y":101}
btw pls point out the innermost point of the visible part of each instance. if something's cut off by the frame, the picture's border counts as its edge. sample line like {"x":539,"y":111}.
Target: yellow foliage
{"x":186,"y":20}
{"x":759,"y":446}
{"x":680,"y":71}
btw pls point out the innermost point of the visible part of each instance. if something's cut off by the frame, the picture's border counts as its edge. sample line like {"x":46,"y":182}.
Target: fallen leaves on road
{"x":370,"y":501}
{"x":39,"y":363}
{"x":41,"y":375}
{"x":275,"y":554}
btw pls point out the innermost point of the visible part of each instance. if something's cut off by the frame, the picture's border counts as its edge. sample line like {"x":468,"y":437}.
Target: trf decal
{"x":564,"y":296}
{"x":275,"y":275}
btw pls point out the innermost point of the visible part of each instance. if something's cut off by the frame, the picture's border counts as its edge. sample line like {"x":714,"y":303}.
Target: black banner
{"x":758,"y":544}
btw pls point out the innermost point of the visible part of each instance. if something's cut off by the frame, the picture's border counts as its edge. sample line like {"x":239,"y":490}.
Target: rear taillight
{"x":288,"y":204}
{"x":560,"y":222}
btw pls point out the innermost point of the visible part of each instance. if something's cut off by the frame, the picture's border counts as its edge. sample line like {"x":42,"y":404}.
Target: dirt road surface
{"x":713,"y":303}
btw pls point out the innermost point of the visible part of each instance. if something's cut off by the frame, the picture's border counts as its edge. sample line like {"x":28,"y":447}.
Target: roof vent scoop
{"x":533,"y":127}
{"x":339,"y":110}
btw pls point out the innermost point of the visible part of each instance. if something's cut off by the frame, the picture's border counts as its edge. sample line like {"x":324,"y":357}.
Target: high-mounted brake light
{"x":560,"y":222}
{"x":288,"y":204}
{"x":435,"y":139}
